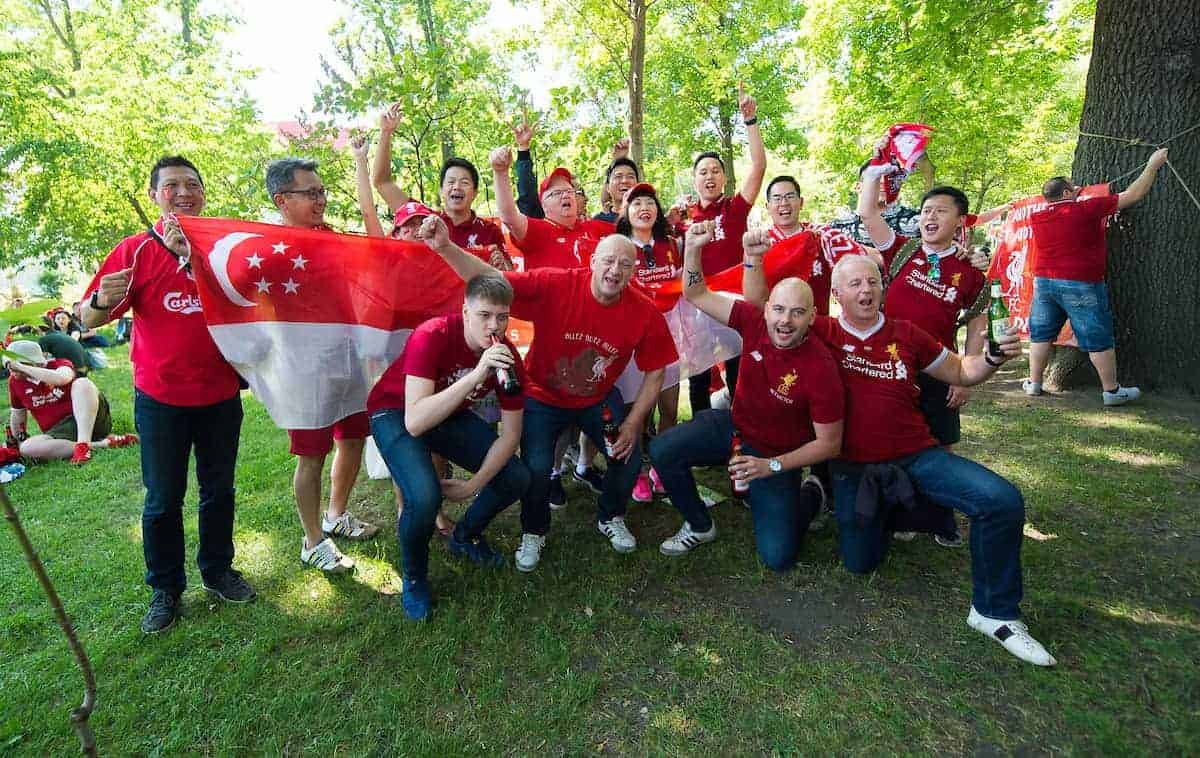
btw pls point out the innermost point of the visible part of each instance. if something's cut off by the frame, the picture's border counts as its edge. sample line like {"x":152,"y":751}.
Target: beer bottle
{"x":740,"y":486}
{"x":506,"y":378}
{"x":611,"y":431}
{"x":998,"y":320}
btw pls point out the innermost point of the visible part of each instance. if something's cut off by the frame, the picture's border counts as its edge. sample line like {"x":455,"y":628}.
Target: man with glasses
{"x":298,"y":193}
{"x":588,"y":324}
{"x":186,"y":398}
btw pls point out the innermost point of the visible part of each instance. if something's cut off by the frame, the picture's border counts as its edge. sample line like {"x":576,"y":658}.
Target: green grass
{"x":30,"y":313}
{"x":631,"y":654}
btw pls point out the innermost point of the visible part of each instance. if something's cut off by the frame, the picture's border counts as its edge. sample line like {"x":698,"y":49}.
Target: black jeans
{"x":169,"y":434}
{"x":698,"y":385}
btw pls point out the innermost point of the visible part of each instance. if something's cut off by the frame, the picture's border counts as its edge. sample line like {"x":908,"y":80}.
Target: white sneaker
{"x":1031,"y":388}
{"x":1121,"y":396}
{"x":347,"y":525}
{"x":1014,"y":636}
{"x":821,"y":517}
{"x":530,"y":552}
{"x":325,"y":556}
{"x":618,"y":534}
{"x":686,"y":539}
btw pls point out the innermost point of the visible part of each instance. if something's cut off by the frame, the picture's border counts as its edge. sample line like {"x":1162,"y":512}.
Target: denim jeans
{"x":169,"y":434}
{"x":1084,"y":303}
{"x":992,"y":503}
{"x":781,"y":511}
{"x":463,"y":438}
{"x":543,"y":424}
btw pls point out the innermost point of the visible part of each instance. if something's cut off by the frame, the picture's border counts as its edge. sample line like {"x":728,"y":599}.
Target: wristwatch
{"x":94,"y":302}
{"x":775,"y":465}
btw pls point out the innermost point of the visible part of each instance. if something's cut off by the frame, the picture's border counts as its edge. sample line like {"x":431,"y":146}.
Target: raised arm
{"x":758,"y":152}
{"x":434,"y":233}
{"x":868,"y":204}
{"x":55,"y":377}
{"x":994,"y":213}
{"x":527,"y":186}
{"x":755,"y":243}
{"x":695,"y":289}
{"x":501,"y":158}
{"x":112,"y":290}
{"x":1136,"y":191}
{"x":382,"y":177}
{"x":362,"y":185}
{"x":424,"y":409}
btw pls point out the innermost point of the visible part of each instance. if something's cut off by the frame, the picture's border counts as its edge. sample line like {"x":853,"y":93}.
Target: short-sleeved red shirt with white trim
{"x":879,"y":370}
{"x":725,"y":249}
{"x":1070,"y":239}
{"x":580,"y":346}
{"x":47,"y":403}
{"x":550,"y":245}
{"x":932,"y":304}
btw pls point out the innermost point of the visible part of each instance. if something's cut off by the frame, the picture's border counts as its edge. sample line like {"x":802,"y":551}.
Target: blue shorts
{"x":1084,"y":303}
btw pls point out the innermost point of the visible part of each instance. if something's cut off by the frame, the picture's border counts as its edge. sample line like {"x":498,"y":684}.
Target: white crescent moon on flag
{"x":219,"y":260}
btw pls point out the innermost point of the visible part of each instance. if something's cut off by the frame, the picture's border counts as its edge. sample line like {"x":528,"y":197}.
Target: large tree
{"x":1144,"y":83}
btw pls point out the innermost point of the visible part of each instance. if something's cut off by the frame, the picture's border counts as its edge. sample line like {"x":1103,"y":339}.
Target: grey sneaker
{"x":1122,"y":395}
{"x":162,"y":614}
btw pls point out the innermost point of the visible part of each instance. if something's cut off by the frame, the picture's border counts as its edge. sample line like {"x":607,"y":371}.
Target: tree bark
{"x":637,"y":65}
{"x":441,"y":84}
{"x":1144,"y":81}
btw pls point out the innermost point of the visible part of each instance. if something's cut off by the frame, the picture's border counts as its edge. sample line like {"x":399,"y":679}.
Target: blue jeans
{"x":463,"y":438}
{"x":780,"y":510}
{"x":543,"y":424}
{"x":1084,"y":303}
{"x":991,"y":502}
{"x":169,"y":434}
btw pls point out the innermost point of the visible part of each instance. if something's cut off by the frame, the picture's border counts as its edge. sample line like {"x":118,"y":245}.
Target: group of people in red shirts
{"x":866,"y":402}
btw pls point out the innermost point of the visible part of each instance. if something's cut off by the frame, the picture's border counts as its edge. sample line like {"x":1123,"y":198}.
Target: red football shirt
{"x":550,"y":245}
{"x":580,"y":347}
{"x":48,"y":405}
{"x":782,"y":393}
{"x":663,"y":264}
{"x":438,"y":350}
{"x":175,"y":360}
{"x":819,"y":279}
{"x":879,"y":369}
{"x":932,"y":304}
{"x":476,"y":235}
{"x":730,"y":215}
{"x":1070,"y":239}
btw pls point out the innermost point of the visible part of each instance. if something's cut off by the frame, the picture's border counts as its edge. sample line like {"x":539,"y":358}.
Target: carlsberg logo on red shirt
{"x":178,"y":302}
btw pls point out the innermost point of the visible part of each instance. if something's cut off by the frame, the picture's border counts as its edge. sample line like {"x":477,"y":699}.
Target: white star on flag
{"x":264,"y":285}
{"x":279,"y":247}
{"x":299,"y":261}
{"x":290,"y":287}
{"x":254,"y":260}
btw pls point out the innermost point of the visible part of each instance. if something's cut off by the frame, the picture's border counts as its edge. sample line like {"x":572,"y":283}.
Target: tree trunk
{"x":727,"y":153}
{"x":441,"y":84}
{"x":1144,"y":81}
{"x":637,"y":65}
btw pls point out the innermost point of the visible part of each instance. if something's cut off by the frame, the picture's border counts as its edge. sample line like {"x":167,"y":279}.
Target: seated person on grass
{"x":70,"y":411}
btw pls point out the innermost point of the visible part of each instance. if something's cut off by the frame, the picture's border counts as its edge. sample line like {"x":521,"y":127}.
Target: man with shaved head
{"x":888,"y":443}
{"x":588,"y":324}
{"x":787,"y":410}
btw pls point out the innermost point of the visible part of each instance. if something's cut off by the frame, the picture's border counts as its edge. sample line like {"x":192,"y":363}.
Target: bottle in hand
{"x":998,"y":319}
{"x":740,"y":486}
{"x":611,"y":431}
{"x":506,"y":378}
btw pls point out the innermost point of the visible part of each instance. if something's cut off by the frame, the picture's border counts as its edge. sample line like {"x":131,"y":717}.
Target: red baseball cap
{"x":410,"y":210}
{"x":642,"y":188}
{"x":556,"y":173}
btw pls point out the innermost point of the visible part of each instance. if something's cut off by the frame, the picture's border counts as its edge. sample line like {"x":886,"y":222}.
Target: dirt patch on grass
{"x":807,"y":616}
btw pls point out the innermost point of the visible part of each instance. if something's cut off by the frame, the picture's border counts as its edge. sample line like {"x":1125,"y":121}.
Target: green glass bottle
{"x":998,"y":320}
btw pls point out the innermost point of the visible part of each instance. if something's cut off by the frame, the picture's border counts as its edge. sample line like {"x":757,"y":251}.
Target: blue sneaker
{"x":416,"y":599}
{"x":477,"y":551}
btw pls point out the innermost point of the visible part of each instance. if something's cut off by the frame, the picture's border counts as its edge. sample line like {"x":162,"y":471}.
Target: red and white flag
{"x":311,"y":318}
{"x":905,"y":146}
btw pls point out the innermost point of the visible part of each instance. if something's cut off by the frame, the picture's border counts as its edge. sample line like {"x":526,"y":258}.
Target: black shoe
{"x":162,"y":614}
{"x":231,"y":587}
{"x":591,"y":478}
{"x":558,"y":495}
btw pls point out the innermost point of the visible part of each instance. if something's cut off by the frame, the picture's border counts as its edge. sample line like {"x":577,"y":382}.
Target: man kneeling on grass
{"x":422,"y":404}
{"x":787,"y":411}
{"x":888,"y":444}
{"x":70,"y":411}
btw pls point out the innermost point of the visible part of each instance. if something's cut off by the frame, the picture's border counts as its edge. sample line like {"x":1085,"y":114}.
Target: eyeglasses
{"x":783,"y":198}
{"x":556,"y":194}
{"x":314,"y":193}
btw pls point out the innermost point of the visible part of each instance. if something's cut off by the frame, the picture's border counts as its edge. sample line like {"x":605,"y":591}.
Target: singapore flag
{"x":311,"y":318}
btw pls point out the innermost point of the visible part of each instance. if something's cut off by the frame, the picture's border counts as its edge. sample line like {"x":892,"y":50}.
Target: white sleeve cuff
{"x":937,"y":361}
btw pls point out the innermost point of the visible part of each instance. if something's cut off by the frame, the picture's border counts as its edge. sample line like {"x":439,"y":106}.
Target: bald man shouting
{"x":787,"y":411}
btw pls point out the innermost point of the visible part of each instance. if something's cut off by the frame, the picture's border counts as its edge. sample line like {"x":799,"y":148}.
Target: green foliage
{"x":50,"y":283}
{"x":94,"y":93}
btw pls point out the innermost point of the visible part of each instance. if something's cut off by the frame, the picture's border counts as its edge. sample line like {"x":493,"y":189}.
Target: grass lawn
{"x":598,"y":652}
